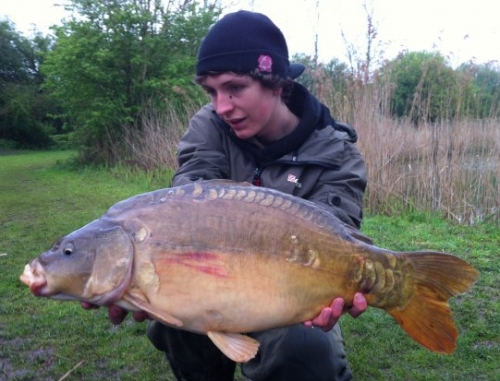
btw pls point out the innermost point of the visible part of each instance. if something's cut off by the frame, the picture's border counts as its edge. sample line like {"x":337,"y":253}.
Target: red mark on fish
{"x":208,"y":263}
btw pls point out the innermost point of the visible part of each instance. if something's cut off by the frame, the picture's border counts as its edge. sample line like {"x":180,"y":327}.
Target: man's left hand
{"x":329,"y":316}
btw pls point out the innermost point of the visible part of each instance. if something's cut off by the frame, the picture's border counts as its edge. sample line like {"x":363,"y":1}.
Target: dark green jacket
{"x":317,"y":161}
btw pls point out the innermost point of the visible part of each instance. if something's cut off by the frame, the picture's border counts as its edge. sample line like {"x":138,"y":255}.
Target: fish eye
{"x":68,"y":250}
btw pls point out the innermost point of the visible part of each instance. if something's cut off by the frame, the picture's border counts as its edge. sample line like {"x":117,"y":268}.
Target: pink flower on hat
{"x":265,"y":63}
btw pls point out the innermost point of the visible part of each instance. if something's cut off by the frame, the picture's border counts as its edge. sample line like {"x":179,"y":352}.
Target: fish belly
{"x":211,"y":291}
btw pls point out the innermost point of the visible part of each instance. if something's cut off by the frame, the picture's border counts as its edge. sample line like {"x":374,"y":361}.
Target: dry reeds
{"x":153,"y":144}
{"x":450,"y":167}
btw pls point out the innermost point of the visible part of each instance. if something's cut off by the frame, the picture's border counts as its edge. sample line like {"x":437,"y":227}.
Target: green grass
{"x":42,"y":198}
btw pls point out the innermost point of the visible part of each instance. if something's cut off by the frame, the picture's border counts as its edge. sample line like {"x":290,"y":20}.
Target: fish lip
{"x":34,"y":277}
{"x":28,"y":276}
{"x":40,"y":289}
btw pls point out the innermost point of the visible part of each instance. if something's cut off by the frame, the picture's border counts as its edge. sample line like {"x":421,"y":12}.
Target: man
{"x":264,"y":128}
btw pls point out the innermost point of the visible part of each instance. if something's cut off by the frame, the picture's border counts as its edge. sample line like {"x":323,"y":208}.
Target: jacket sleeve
{"x":201,"y":153}
{"x":342,"y":190}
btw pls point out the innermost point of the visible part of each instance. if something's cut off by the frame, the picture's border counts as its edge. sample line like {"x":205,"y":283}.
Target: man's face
{"x":245,"y":105}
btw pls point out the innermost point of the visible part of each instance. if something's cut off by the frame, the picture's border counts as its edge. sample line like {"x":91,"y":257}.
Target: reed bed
{"x":450,"y":167}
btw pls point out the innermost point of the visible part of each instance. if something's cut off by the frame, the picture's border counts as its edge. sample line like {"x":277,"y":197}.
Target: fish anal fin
{"x":153,"y":312}
{"x":238,"y":347}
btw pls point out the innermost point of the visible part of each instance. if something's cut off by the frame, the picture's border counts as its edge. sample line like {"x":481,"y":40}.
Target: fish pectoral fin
{"x":238,"y":347}
{"x":153,"y":312}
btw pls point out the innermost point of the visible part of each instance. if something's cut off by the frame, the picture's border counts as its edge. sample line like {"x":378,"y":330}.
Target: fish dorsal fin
{"x":358,"y":235}
{"x":153,"y":312}
{"x":238,"y":347}
{"x":225,"y":182}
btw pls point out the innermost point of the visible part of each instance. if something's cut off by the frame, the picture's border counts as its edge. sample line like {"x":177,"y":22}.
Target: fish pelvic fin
{"x":238,"y":347}
{"x":427,"y":316}
{"x":153,"y":312}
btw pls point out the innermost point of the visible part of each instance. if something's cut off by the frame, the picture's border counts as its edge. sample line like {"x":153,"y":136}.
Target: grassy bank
{"x":41,"y":199}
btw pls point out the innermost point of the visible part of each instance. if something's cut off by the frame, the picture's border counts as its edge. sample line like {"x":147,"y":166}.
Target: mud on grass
{"x":62,"y":337}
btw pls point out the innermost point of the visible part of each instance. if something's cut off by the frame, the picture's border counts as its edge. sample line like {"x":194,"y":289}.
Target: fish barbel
{"x":224,"y":259}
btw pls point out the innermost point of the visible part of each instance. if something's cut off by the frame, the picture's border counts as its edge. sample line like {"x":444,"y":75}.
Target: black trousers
{"x":290,"y":353}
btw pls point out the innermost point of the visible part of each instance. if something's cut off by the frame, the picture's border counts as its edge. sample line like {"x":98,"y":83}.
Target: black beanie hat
{"x":243,"y":41}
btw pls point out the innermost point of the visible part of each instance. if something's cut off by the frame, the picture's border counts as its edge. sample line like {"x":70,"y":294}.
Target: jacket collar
{"x":313,"y":115}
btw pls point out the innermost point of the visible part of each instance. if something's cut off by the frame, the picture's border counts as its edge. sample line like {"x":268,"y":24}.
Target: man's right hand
{"x":116,"y":314}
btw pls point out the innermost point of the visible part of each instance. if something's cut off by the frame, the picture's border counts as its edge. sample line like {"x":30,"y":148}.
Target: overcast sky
{"x":461,"y":30}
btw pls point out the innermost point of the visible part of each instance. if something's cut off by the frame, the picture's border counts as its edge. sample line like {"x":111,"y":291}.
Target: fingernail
{"x":359,"y":298}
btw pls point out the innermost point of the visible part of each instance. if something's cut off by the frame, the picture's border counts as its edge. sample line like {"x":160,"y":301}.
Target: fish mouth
{"x":34,"y":277}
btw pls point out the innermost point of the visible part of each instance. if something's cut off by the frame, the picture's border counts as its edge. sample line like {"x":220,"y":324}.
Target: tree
{"x":483,"y":99}
{"x":12,"y":44}
{"x":424,"y":86}
{"x":24,"y":108}
{"x":115,"y":56}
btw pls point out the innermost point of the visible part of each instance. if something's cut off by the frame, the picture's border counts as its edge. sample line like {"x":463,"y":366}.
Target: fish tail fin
{"x":427,"y":317}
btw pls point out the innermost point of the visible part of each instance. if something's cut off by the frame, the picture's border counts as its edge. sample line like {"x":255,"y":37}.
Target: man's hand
{"x":116,"y":314}
{"x":329,"y":316}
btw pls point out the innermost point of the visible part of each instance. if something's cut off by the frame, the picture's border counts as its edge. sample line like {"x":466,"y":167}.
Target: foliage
{"x":115,"y":56}
{"x":418,"y":86}
{"x":484,"y":89}
{"x":13,"y":49}
{"x":24,"y":107}
{"x":425,"y":87}
{"x":42,"y":198}
{"x":114,"y":60}
{"x":328,"y":81}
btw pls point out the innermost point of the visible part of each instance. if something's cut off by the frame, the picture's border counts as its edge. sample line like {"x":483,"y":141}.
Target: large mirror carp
{"x":223,"y":259}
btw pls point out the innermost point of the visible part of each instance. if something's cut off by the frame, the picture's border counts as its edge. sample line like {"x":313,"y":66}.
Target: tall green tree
{"x":24,"y":108}
{"x":115,"y":56}
{"x":483,"y":99}
{"x":12,"y":60}
{"x":424,"y":86}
